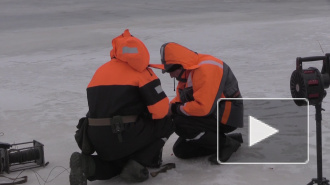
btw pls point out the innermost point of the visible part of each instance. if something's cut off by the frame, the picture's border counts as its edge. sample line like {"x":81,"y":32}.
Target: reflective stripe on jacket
{"x":209,"y":80}
{"x":125,"y":85}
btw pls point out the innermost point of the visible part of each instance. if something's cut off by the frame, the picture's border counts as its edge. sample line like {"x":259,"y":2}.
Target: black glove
{"x":186,"y":94}
{"x":175,"y":107}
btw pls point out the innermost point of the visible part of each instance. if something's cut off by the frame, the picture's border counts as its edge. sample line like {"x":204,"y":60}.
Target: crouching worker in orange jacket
{"x":127,"y":119}
{"x":203,"y":79}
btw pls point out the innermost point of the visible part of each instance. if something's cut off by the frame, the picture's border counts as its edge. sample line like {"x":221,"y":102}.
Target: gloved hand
{"x":186,"y":94}
{"x":174,"y":108}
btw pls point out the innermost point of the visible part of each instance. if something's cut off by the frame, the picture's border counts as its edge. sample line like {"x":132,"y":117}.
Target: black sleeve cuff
{"x":175,"y":108}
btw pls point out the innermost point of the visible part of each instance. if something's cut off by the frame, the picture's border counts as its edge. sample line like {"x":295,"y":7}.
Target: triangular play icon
{"x":259,"y":131}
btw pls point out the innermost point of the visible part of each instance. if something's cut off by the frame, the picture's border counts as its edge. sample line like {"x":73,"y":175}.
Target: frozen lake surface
{"x":50,"y":49}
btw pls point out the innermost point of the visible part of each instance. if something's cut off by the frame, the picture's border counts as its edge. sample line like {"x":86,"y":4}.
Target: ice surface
{"x":50,"y":49}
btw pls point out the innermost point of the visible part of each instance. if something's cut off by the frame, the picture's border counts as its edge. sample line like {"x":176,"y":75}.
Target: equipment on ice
{"x":311,"y":84}
{"x":20,"y":156}
{"x":164,"y":169}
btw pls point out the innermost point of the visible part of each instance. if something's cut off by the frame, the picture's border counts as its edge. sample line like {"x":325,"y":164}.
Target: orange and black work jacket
{"x":125,"y":85}
{"x":207,"y":80}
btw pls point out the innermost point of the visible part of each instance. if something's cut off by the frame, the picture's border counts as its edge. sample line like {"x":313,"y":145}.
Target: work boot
{"x":134,"y":172}
{"x":230,"y":146}
{"x":237,"y":136}
{"x":82,"y":166}
{"x":225,"y":155}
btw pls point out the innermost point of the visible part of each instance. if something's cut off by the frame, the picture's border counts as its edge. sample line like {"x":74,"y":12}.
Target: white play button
{"x":259,"y":131}
{"x":275,"y":131}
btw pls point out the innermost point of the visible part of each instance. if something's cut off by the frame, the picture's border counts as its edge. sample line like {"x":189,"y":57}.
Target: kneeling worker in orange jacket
{"x":127,"y":118}
{"x":203,"y":79}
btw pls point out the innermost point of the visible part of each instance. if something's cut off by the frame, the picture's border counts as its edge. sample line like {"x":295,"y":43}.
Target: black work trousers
{"x":142,"y":141}
{"x":198,"y":136}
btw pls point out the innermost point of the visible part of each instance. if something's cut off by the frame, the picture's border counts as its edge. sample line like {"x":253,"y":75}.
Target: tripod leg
{"x":318,"y":117}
